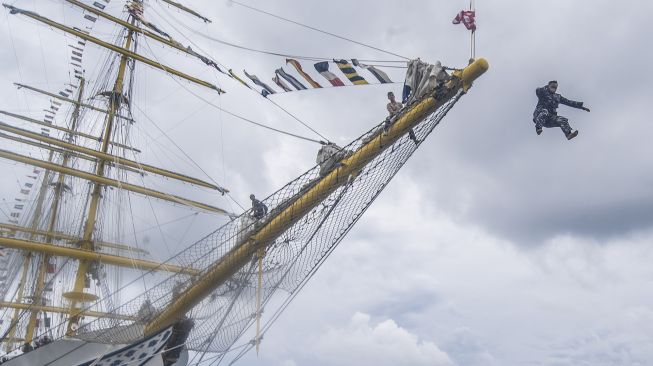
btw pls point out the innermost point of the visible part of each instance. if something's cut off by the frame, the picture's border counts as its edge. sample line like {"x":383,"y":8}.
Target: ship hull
{"x":75,"y":352}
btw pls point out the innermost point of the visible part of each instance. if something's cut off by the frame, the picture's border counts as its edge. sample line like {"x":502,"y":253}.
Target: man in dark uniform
{"x":546,"y":114}
{"x":259,"y":209}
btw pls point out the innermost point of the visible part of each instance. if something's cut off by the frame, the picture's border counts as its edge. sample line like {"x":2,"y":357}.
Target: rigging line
{"x":5,"y":213}
{"x":307,"y":58}
{"x":280,"y":54}
{"x":174,"y":143}
{"x":332,"y":87}
{"x":318,"y":30}
{"x":236,"y":202}
{"x":224,"y":169}
{"x":182,"y":34}
{"x":293,"y":294}
{"x":45,"y":69}
{"x":387,"y":66}
{"x":294,"y":117}
{"x":4,"y":313}
{"x":330,"y":250}
{"x":30,"y":307}
{"x":290,"y":114}
{"x":267,"y":127}
{"x":236,"y":115}
{"x":131,"y":211}
{"x":156,"y":218}
{"x":183,"y":237}
{"x":98,"y":319}
{"x":183,"y":120}
{"x":220,"y":115}
{"x":161,"y":225}
{"x":219,"y":355}
{"x":230,"y":307}
{"x":13,"y":45}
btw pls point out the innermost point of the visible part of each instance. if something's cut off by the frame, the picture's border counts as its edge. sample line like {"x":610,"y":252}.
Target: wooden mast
{"x":42,"y":270}
{"x":11,"y":335}
{"x":86,"y":253}
{"x":28,"y":255}
{"x":89,"y":227}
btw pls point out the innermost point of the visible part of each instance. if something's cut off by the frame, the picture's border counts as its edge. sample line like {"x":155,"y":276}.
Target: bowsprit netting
{"x":221,"y":318}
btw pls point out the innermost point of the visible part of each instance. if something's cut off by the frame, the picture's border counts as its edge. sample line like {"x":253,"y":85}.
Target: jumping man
{"x":546,"y":114}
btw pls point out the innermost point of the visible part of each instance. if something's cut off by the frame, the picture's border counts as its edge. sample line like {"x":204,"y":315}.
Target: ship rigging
{"x":66,"y":294}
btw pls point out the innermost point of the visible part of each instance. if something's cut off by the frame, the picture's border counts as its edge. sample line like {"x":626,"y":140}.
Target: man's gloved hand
{"x":585,"y":109}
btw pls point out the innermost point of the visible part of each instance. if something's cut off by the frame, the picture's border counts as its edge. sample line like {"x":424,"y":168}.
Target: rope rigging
{"x":236,"y":115}
{"x":284,"y":55}
{"x":247,"y":120}
{"x":289,"y":262}
{"x":426,"y":128}
{"x":318,"y":30}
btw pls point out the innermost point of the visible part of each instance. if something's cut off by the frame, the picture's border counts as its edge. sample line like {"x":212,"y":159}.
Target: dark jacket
{"x":259,"y":209}
{"x":549,"y":101}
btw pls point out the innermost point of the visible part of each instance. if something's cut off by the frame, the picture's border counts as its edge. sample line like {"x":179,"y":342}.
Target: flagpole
{"x":472,"y":40}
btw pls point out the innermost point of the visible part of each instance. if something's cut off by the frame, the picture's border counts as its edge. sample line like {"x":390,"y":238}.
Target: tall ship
{"x":78,"y":290}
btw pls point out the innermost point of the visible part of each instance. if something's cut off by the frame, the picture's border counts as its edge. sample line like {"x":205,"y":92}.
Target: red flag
{"x":467,"y":18}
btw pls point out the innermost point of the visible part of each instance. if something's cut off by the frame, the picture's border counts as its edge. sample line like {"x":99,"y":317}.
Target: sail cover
{"x":422,"y":78}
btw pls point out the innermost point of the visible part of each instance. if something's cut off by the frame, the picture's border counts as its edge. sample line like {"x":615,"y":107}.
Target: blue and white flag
{"x":289,"y":78}
{"x":280,"y":83}
{"x":266,"y":89}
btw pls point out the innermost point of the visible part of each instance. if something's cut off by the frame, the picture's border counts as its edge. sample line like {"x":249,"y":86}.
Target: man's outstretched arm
{"x":573,"y":103}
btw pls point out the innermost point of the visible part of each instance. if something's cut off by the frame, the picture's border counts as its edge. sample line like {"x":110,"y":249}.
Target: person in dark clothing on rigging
{"x":546,"y":114}
{"x":259,"y":209}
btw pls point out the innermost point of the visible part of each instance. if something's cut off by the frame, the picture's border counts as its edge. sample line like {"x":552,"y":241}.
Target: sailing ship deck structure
{"x":65,"y":279}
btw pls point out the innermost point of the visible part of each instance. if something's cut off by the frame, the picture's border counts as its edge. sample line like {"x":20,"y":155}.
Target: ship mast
{"x":86,"y":248}
{"x":54,"y":210}
{"x":78,"y":295}
{"x":11,"y":335}
{"x":248,"y":244}
{"x":29,"y":257}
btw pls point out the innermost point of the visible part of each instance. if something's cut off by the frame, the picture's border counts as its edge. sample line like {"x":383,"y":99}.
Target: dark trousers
{"x":545,"y":119}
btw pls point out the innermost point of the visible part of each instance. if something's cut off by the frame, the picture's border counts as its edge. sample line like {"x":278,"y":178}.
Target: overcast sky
{"x":493,"y":246}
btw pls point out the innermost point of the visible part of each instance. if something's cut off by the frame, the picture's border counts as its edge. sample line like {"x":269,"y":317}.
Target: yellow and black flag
{"x":350,"y":73}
